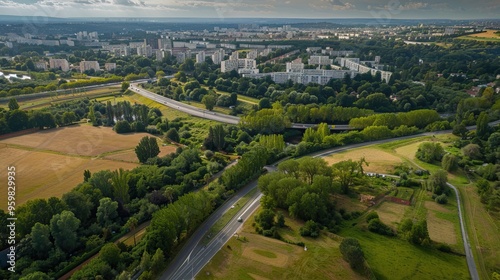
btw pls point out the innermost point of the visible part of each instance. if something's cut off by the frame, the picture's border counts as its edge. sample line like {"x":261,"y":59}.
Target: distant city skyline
{"x":383,"y":10}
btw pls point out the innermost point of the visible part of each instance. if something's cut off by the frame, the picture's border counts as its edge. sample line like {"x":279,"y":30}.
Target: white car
{"x":240,"y":219}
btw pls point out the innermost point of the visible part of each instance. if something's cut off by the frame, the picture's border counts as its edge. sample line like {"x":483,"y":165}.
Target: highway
{"x":202,"y":113}
{"x":194,"y":256}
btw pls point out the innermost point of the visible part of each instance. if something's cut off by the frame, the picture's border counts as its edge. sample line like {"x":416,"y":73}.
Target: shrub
{"x":122,"y":127}
{"x":351,"y":252}
{"x":441,"y":199}
{"x":310,"y":229}
{"x":372,"y":215}
{"x":375,"y":225}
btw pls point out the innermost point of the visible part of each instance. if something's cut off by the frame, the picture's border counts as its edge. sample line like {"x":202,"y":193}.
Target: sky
{"x":378,"y":9}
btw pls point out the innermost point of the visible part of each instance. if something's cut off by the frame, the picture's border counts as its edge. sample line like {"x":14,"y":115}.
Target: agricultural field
{"x":260,"y":258}
{"x":380,"y":161}
{"x":391,"y":213}
{"x":41,"y":102}
{"x":490,"y":35}
{"x":51,"y":163}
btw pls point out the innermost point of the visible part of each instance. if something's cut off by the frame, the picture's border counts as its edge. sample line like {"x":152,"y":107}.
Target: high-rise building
{"x":200,"y":57}
{"x":59,"y":64}
{"x":89,"y":65}
{"x":320,"y":60}
{"x":153,"y":42}
{"x":110,"y":66}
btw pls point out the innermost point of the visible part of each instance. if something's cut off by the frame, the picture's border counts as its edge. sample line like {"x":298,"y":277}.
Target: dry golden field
{"x":51,"y":163}
{"x":379,"y":161}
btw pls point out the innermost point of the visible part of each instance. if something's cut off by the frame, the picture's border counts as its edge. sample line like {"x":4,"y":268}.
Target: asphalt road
{"x":465,"y":237}
{"x":202,"y":113}
{"x":194,"y":256}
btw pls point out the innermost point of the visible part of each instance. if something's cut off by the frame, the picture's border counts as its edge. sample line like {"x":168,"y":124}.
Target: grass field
{"x":379,"y":160}
{"x":266,"y":258}
{"x":51,"y":163}
{"x":391,"y":213}
{"x":393,"y":258}
{"x":489,"y":35}
{"x":83,"y":140}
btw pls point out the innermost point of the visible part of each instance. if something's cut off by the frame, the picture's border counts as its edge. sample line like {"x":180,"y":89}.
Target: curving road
{"x":194,"y":111}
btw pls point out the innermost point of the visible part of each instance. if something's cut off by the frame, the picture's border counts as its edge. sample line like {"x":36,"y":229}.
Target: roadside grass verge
{"x":226,"y":217}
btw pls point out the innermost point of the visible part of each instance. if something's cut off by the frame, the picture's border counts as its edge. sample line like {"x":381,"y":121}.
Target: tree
{"x":173,"y":135}
{"x":131,"y":224}
{"x":86,"y":175}
{"x":437,"y":182}
{"x":147,"y":148}
{"x":107,"y":212}
{"x":122,"y":127}
{"x":218,"y":134}
{"x":119,"y":181}
{"x":310,"y":228}
{"x":36,"y":276}
{"x":419,"y":234}
{"x":265,"y":219}
{"x":63,"y":228}
{"x":79,"y":204}
{"x":209,"y":100}
{"x":309,"y":166}
{"x":482,"y":127}
{"x":346,"y":171}
{"x":473,"y":151}
{"x":265,"y":103}
{"x":110,"y":253}
{"x":17,"y":120}
{"x":40,"y":238}
{"x":430,"y":152}
{"x":125,"y":86}
{"x":450,"y":162}
{"x":157,"y":262}
{"x":13,"y":105}
{"x":351,"y":252}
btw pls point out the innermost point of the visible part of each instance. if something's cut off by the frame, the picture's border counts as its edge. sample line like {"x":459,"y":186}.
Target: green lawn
{"x":393,"y":258}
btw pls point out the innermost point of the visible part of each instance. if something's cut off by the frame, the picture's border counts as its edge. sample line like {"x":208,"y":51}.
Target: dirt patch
{"x":431,"y":205}
{"x":279,"y":261}
{"x":43,"y":175}
{"x":391,"y":213}
{"x":379,"y":161}
{"x":349,"y":204}
{"x":441,"y":230}
{"x":84,"y":140}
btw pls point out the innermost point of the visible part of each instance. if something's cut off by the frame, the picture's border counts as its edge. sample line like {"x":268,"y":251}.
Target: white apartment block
{"x":307,"y":76}
{"x":110,"y":66}
{"x":252,"y":54}
{"x":238,"y":64}
{"x":41,"y":65}
{"x":320,"y":60}
{"x":165,"y":44}
{"x":146,"y":51}
{"x":355,"y":65}
{"x":89,"y":65}
{"x":218,"y":56}
{"x":200,"y":57}
{"x":59,"y":64}
{"x":234,"y":55}
{"x":295,"y":66}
